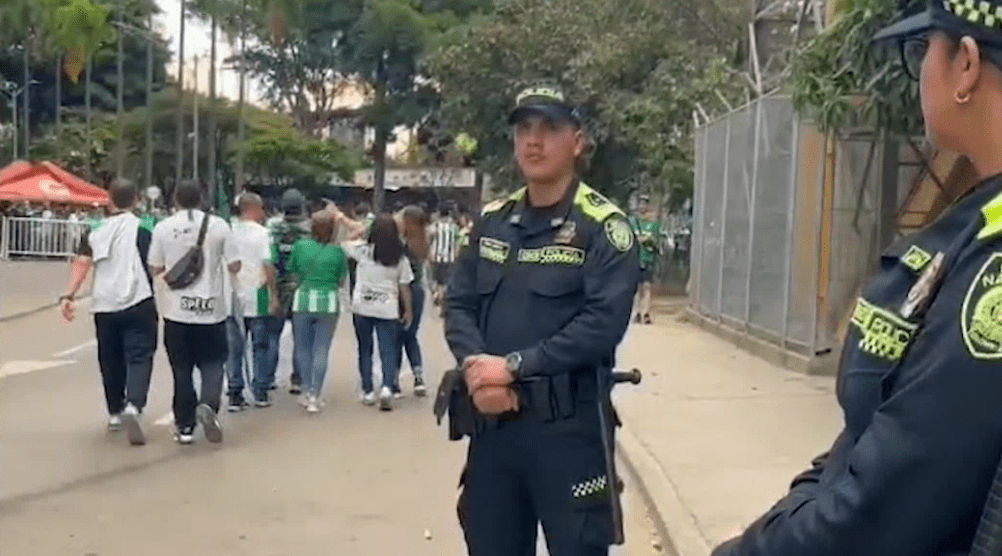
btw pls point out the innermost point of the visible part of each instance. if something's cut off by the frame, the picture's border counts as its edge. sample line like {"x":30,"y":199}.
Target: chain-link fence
{"x":755,"y":224}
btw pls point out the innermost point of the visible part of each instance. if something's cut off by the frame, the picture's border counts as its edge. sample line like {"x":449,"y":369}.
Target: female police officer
{"x":920,"y":382}
{"x":537,"y":303}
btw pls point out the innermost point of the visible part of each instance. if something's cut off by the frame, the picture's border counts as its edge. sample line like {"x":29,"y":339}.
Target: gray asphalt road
{"x":349,"y":481}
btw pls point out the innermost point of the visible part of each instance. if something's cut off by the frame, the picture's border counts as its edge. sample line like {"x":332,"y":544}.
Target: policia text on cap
{"x":537,"y":304}
{"x":920,"y":379}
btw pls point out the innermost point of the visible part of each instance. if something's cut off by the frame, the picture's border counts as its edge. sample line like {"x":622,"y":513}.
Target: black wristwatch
{"x":67,"y":297}
{"x":513,"y":363}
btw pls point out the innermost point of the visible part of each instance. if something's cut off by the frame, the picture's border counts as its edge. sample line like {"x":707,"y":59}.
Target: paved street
{"x":28,"y":285}
{"x":349,"y":481}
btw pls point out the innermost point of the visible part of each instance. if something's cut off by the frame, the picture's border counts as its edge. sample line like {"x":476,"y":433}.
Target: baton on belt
{"x":988,"y":538}
{"x":605,"y":418}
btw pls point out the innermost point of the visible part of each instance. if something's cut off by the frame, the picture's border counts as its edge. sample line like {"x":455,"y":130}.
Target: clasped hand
{"x":488,"y":380}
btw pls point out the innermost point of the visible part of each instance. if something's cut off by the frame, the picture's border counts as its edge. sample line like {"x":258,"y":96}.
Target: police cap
{"x":546,"y":100}
{"x":978,"y":19}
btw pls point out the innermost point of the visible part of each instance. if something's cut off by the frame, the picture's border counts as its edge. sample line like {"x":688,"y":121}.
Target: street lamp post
{"x":12,"y":91}
{"x":148,"y":34}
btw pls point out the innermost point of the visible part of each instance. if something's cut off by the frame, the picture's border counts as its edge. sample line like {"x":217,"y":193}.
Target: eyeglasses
{"x":913,"y":50}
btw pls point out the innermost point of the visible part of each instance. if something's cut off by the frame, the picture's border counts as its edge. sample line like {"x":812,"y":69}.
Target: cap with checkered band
{"x":979,"y":19}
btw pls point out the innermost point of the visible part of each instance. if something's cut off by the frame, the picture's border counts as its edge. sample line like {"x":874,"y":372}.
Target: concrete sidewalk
{"x":715,"y":434}
{"x":30,"y":286}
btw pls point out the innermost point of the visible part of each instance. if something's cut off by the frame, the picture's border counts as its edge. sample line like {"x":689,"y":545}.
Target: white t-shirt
{"x":377,"y":287}
{"x":203,"y":302}
{"x":253,"y":249}
{"x":120,"y":280}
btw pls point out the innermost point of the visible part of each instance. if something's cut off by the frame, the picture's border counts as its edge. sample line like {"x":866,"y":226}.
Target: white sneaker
{"x":369,"y":398}
{"x":132,"y":419}
{"x":385,"y":399}
{"x":210,"y":423}
{"x":303,"y":400}
{"x":115,"y":422}
{"x":312,"y":405}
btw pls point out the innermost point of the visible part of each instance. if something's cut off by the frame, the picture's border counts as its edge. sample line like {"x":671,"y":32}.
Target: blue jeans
{"x":311,"y":335}
{"x":264,"y":333}
{"x":388,"y":332}
{"x":408,"y":336}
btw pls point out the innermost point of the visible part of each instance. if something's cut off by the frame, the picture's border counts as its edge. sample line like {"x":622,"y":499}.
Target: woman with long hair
{"x":319,"y":264}
{"x":381,"y":301}
{"x":413,"y":222}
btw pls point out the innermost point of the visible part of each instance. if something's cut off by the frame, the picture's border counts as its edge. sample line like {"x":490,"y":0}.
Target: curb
{"x":675,"y":523}
{"x":29,"y":312}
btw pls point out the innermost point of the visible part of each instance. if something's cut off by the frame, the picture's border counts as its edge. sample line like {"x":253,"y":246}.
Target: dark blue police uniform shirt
{"x":556,"y":284}
{"x":922,"y":401}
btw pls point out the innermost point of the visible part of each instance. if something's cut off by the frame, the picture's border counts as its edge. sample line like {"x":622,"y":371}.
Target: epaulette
{"x":992,"y":213}
{"x":499,"y":204}
{"x":594,"y":205}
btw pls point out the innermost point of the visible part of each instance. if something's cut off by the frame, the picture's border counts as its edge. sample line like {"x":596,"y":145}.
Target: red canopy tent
{"x":47,"y":182}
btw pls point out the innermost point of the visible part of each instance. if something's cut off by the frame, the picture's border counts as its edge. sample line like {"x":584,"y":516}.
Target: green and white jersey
{"x":320,"y":269}
{"x":648,"y":234}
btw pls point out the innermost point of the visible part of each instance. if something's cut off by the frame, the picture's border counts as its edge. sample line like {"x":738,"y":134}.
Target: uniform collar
{"x":562,"y":210}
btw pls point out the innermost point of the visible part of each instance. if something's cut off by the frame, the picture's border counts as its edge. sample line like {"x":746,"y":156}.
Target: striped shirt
{"x":444,"y":241}
{"x":320,"y":269}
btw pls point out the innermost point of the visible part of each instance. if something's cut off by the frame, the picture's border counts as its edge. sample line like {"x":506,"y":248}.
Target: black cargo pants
{"x":530,"y":470}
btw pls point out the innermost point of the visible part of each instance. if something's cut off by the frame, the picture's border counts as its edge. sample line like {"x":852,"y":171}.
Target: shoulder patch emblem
{"x":916,"y":258}
{"x":981,"y":313}
{"x":619,"y":233}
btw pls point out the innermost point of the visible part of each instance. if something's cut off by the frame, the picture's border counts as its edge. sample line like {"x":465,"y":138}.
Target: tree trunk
{"x":87,"y":127}
{"x":379,"y":143}
{"x":119,"y":101}
{"x":59,"y":102}
{"x":27,"y":100}
{"x":148,"y":173}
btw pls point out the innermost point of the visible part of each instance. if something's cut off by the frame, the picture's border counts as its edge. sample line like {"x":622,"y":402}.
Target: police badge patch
{"x":620,"y":235}
{"x":981,"y":314}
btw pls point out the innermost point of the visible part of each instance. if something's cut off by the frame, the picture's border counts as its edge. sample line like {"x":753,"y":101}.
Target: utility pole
{"x":238,"y":183}
{"x":194,"y":125}
{"x":212,"y":112}
{"x":179,"y":162}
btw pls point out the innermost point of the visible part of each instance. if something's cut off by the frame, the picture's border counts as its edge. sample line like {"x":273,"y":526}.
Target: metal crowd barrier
{"x":39,"y":238}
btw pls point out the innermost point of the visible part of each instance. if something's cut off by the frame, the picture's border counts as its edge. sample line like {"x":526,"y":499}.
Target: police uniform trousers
{"x":533,"y":468}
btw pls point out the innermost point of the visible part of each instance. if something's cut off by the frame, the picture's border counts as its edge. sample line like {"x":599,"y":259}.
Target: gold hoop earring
{"x":961,"y":99}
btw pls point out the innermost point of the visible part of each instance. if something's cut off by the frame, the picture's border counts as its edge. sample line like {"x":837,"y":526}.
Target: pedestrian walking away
{"x":444,"y":250}
{"x":285,"y":232}
{"x":380,"y":302}
{"x":413,"y":221}
{"x":534,"y":312}
{"x":319,"y":266}
{"x":255,"y":308}
{"x":125,"y":314}
{"x":648,"y":231}
{"x":919,"y":382}
{"x":189,"y":249}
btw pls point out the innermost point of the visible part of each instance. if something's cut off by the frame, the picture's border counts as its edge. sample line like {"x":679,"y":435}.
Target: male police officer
{"x":920,"y":382}
{"x":537,"y":303}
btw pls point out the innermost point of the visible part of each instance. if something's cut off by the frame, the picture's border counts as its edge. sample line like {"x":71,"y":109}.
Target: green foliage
{"x":841,"y":79}
{"x":637,"y":68}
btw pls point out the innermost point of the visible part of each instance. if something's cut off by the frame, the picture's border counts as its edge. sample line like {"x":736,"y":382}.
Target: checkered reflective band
{"x":982,"y":13}
{"x":589,"y":488}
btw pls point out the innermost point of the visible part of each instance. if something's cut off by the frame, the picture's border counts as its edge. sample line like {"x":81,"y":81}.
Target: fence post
{"x":751,"y":210}
{"x":699,"y":217}
{"x":723,"y":223}
{"x":818,"y":231}
{"x":791,"y":207}
{"x":5,"y":227}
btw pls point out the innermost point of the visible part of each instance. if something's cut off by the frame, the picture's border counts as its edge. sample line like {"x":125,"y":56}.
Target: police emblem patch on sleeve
{"x":619,"y":233}
{"x":981,"y":313}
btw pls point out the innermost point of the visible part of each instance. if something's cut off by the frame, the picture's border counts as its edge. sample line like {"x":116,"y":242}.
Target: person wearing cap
{"x":284,"y":233}
{"x":537,"y":303}
{"x":920,"y":380}
{"x":648,"y":232}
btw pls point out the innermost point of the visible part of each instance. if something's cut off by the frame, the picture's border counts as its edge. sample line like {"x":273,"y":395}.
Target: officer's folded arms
{"x":488,"y":381}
